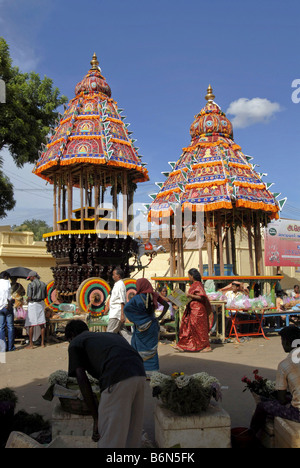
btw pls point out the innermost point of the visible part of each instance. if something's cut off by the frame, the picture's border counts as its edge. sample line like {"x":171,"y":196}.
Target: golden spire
{"x":94,"y":62}
{"x":210,"y":96}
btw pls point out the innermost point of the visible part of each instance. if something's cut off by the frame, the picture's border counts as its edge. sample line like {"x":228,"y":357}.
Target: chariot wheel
{"x":52,"y":299}
{"x":92,"y":295}
{"x":130,"y":285}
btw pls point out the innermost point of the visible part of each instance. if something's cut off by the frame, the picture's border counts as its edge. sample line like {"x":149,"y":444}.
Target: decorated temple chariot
{"x":91,"y":151}
{"x":214,"y":177}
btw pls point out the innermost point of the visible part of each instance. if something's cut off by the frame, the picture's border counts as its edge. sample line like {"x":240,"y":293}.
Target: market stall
{"x":249,"y":305}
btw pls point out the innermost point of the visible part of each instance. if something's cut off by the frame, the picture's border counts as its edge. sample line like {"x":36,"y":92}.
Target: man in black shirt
{"x":118,"y":422}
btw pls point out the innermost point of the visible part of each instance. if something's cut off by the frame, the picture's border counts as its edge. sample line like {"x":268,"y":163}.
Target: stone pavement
{"x":27,"y":371}
{"x":229,"y":363}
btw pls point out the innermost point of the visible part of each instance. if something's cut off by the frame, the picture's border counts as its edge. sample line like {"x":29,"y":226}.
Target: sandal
{"x":176,"y":348}
{"x":206,"y":350}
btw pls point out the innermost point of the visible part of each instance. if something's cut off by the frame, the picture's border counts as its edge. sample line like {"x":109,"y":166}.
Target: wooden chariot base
{"x":84,"y":254}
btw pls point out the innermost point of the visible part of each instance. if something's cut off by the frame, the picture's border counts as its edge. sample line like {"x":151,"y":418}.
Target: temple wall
{"x":19,"y":249}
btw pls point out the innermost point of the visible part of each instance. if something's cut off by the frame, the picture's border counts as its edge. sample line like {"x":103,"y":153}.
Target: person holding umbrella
{"x":36,"y":320}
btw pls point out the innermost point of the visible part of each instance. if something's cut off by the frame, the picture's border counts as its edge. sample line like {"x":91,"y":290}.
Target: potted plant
{"x":185,"y":394}
{"x":186,"y":416}
{"x":8,"y":401}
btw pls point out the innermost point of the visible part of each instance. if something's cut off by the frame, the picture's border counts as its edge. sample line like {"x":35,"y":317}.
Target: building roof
{"x":92,"y":131}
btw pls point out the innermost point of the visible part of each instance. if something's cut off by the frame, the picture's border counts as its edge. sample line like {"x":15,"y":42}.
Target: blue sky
{"x":159,"y":58}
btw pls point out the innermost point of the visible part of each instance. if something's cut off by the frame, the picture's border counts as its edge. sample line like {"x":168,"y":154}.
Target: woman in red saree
{"x":194,"y":328}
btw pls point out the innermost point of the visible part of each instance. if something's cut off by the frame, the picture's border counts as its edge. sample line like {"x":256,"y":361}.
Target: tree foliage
{"x":25,"y":119}
{"x":29,"y":111}
{"x":37,"y":226}
{"x":7,"y":201}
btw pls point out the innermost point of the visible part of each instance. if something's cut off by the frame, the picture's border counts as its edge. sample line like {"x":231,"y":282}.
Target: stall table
{"x":51,"y":324}
{"x":261,"y":281}
{"x":251,"y":317}
{"x":220,"y":307}
{"x":282,"y":313}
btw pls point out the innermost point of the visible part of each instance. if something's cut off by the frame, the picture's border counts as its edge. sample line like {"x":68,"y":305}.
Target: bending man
{"x":108,"y":357}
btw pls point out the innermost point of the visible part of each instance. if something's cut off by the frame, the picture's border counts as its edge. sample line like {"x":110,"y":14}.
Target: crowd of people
{"x":122,"y":387}
{"x":12,"y":296}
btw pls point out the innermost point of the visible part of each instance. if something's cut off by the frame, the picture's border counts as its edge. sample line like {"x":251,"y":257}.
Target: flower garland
{"x":185,"y":394}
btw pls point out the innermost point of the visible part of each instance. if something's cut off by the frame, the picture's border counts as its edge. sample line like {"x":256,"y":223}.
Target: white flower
{"x":182,"y":381}
{"x":271,"y":386}
{"x":59,"y":377}
{"x":157,"y":379}
{"x":205,"y":379}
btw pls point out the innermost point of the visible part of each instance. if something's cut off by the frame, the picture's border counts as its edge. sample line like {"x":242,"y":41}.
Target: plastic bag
{"x":209,"y":286}
{"x":21,"y":313}
{"x":247,"y":303}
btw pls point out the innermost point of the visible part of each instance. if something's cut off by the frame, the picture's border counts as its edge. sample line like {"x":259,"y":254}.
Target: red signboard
{"x":282,"y":243}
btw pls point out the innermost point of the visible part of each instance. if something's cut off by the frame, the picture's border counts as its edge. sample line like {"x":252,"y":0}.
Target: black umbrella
{"x":18,"y":272}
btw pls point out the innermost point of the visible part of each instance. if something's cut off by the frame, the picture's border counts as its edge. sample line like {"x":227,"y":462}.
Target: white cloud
{"x":251,"y":111}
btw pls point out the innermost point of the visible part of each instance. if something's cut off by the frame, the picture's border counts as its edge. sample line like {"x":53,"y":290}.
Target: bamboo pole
{"x":64,"y":213}
{"x":86,"y":182}
{"x":220,"y":244}
{"x":55,"y":205}
{"x":250,"y":247}
{"x":96,"y":196}
{"x":209,"y":245}
{"x":81,"y":200}
{"x":125,"y":204}
{"x":172,"y":253}
{"x":59,"y":203}
{"x":130,"y":210}
{"x":233,"y":249}
{"x":227,"y":246}
{"x":181,"y":246}
{"x":70,"y":200}
{"x":180,"y":266}
{"x":201,"y":261}
{"x":260,"y":265}
{"x":115,"y":194}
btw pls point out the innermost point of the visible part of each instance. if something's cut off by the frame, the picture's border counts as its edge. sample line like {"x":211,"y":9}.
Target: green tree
{"x":26,"y":117}
{"x":7,"y":201}
{"x":37,"y":226}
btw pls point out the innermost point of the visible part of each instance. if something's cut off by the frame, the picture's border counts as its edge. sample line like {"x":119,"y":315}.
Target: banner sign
{"x":282,"y":243}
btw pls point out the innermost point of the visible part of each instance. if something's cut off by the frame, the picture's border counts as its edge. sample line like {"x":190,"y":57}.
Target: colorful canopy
{"x":91,"y":131}
{"x":212,"y":173}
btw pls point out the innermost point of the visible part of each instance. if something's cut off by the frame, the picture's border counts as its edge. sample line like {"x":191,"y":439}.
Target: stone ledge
{"x":287,"y":433}
{"x":208,"y":429}
{"x":68,"y":424}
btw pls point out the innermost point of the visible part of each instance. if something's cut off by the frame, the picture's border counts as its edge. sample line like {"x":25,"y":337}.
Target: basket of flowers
{"x":67,"y":390}
{"x":185,"y":394}
{"x":260,"y":387}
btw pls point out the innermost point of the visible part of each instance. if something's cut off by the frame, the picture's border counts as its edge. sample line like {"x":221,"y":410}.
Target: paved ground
{"x":27,"y":371}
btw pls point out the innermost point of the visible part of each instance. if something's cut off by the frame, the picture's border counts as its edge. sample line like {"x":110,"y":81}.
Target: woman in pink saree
{"x":194,"y":328}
